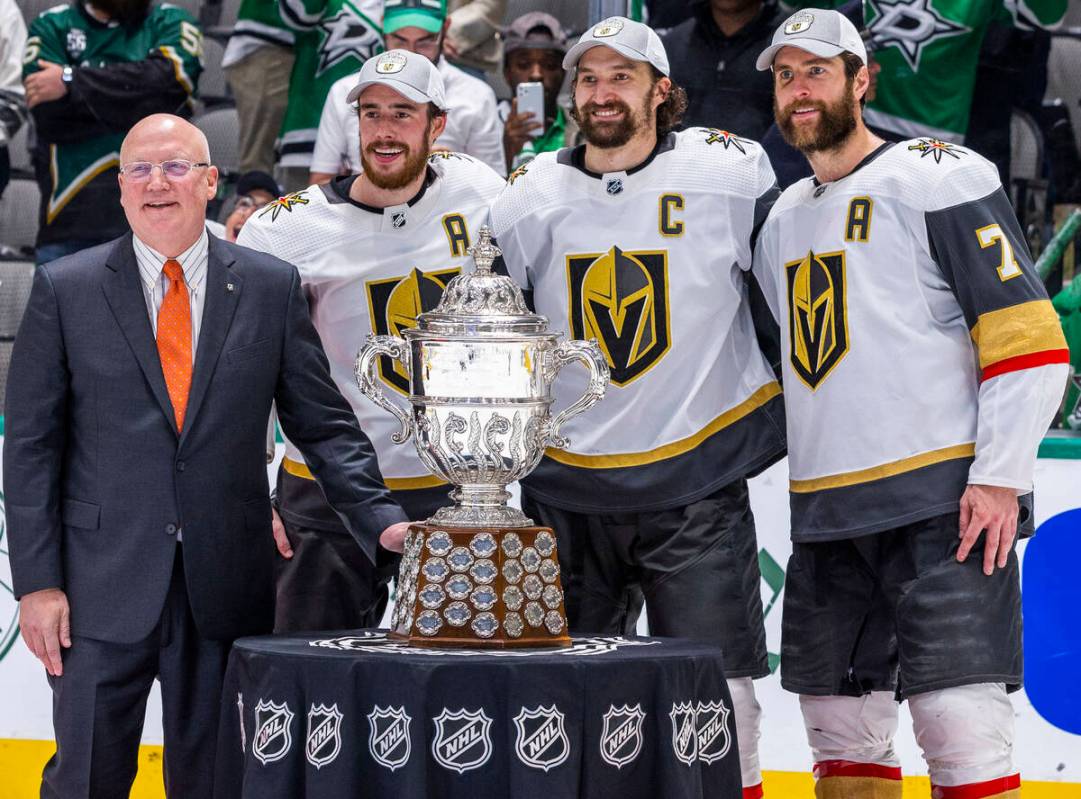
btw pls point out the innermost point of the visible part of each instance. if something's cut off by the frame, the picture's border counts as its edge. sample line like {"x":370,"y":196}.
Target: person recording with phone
{"x":533,"y":121}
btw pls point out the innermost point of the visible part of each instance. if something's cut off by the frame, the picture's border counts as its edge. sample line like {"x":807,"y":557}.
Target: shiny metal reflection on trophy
{"x":481,"y":368}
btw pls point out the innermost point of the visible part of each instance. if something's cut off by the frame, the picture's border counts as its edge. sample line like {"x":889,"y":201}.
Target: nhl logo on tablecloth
{"x":684,"y":734}
{"x":711,"y":724}
{"x":272,"y":731}
{"x":324,"y":735}
{"x":388,"y":736}
{"x":621,"y":738}
{"x":462,"y":741}
{"x":542,"y":740}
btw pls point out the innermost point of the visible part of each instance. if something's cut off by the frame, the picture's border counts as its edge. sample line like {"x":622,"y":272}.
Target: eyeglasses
{"x":250,"y":203}
{"x":175,"y":169}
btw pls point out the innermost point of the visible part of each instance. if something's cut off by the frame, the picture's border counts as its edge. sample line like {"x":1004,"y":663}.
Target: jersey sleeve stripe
{"x":1029,"y":361}
{"x":1023,"y":329}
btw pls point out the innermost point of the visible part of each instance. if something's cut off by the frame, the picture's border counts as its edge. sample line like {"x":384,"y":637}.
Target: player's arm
{"x":1021,"y":351}
{"x":112,"y":98}
{"x":331,"y":141}
{"x":766,"y":330}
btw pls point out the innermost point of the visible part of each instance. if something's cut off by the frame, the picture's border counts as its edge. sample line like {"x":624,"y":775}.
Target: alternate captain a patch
{"x":395,"y":303}
{"x":817,"y":315}
{"x":620,"y":298}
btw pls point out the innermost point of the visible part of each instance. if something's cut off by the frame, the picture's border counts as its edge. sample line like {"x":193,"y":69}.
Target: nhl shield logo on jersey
{"x":394,"y":305}
{"x":388,"y":736}
{"x":684,"y":732}
{"x":273,"y":736}
{"x":542,"y":740}
{"x":621,"y":737}
{"x":817,"y":315}
{"x":462,"y":739}
{"x":711,"y":726}
{"x":324,"y":740}
{"x":620,"y":298}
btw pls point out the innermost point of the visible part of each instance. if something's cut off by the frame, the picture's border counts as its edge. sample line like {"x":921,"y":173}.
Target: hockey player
{"x":373,"y":251}
{"x":641,"y":238}
{"x":922,"y":365}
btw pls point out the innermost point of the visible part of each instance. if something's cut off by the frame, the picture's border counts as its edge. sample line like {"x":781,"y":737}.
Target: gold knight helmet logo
{"x":817,"y":315}
{"x":620,"y":298}
{"x":395,"y":304}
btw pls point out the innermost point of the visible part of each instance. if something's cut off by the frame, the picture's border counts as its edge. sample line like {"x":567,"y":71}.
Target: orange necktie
{"x":174,"y":340}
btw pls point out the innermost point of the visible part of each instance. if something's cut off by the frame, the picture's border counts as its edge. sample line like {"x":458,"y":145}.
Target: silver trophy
{"x":481,"y":368}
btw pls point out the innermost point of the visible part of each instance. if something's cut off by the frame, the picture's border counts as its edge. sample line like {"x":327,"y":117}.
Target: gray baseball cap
{"x":823,"y":33}
{"x":635,"y":40}
{"x":411,"y":75}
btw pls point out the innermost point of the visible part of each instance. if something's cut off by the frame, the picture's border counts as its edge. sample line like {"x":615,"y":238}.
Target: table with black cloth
{"x":358,"y":715}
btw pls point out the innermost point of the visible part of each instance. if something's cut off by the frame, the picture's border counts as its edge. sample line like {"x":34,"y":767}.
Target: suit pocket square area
{"x":76,"y":513}
{"x":245,"y":352}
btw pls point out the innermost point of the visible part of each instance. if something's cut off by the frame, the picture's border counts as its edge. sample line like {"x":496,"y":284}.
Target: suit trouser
{"x":100,"y":701}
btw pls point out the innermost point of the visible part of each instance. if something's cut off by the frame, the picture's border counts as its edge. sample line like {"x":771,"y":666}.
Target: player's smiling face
{"x":615,"y":98}
{"x":396,"y":136}
{"x":814,"y":102}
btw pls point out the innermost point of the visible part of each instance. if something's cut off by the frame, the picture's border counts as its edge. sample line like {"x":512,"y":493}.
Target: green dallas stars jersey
{"x":333,"y":39}
{"x":258,"y":24}
{"x":929,"y":51}
{"x":121,"y":75}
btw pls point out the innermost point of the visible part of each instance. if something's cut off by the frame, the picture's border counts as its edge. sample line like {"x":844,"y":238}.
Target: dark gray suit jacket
{"x":98,"y":481}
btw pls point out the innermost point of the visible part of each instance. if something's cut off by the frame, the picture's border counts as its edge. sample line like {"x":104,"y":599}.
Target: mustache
{"x":789,"y":110}
{"x":611,"y":105}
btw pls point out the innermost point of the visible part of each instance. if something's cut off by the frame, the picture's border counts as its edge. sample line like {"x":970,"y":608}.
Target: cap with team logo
{"x":411,"y":75}
{"x":823,"y":33}
{"x":427,"y":15}
{"x":636,"y":41}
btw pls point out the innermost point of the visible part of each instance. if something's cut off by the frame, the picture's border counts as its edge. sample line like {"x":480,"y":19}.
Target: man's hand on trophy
{"x":393,"y":538}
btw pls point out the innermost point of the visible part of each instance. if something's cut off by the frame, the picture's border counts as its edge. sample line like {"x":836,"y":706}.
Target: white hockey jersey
{"x":371,"y":270}
{"x":652,"y":264}
{"x":920,"y":350}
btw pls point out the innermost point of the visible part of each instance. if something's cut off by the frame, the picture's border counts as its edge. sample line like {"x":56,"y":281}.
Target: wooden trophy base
{"x":484,"y":588}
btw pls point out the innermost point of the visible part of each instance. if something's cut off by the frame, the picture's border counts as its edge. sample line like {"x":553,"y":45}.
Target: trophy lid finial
{"x":485,"y":251}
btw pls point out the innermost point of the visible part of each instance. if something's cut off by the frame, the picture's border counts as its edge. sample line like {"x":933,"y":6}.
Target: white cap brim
{"x":814,"y":46}
{"x":404,"y":89}
{"x":570,"y":60}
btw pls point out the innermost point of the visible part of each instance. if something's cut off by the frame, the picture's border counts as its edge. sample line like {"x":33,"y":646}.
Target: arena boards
{"x":1049,"y":731}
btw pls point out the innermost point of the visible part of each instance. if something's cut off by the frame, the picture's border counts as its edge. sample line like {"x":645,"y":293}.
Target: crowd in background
{"x":268,"y":89}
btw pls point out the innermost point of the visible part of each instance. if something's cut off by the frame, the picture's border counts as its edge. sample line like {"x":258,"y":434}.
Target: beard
{"x":605,"y":135}
{"x":411,"y":167}
{"x":836,"y":123}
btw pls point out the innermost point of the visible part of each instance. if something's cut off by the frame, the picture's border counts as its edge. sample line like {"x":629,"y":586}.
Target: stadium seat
{"x":222,"y":131}
{"x":1062,"y":75}
{"x":16,"y":278}
{"x":212,"y":85}
{"x":1028,"y":179}
{"x":19,"y":215}
{"x":19,"y":151}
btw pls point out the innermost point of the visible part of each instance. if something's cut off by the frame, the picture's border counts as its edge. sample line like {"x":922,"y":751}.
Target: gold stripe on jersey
{"x":393,"y":483}
{"x":1017,"y":330}
{"x":884,"y":470}
{"x":683,"y":445}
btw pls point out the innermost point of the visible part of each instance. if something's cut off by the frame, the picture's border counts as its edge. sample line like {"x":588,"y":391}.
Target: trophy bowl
{"x":481,"y":368}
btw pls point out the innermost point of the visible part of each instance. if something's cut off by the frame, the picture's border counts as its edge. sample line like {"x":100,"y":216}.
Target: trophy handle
{"x":364,"y":371}
{"x":589,"y":353}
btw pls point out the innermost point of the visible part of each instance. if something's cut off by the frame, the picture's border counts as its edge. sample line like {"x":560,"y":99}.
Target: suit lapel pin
{"x":229,"y":287}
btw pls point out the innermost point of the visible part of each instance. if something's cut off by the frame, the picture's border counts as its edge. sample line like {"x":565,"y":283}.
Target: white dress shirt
{"x":152,"y":276}
{"x":473,"y":124}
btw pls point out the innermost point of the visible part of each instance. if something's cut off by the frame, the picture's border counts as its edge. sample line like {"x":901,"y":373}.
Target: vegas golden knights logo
{"x":394,"y":305}
{"x":817,"y":315}
{"x":620,"y":298}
